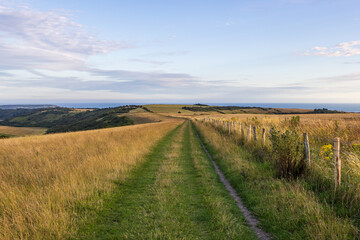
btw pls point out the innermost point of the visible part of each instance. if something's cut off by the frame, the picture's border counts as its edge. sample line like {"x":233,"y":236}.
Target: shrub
{"x":295,"y":121}
{"x":288,"y":154}
{"x":4,"y":136}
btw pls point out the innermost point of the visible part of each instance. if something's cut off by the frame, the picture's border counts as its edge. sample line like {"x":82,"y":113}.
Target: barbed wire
{"x":260,"y":127}
{"x":320,"y":138}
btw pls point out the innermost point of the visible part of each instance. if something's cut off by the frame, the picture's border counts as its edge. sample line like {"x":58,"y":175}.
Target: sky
{"x":180,"y":51}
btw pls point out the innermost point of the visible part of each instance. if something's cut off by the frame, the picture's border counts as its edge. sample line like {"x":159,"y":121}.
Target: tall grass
{"x":286,"y":209}
{"x":345,"y":200}
{"x":21,"y":131}
{"x":50,"y":184}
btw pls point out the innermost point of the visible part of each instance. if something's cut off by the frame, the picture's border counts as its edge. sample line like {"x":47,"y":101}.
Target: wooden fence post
{"x":255,"y":136}
{"x":263,"y":136}
{"x":229,"y":127}
{"x":224,"y":124}
{"x":337,"y":162}
{"x":249,"y":133}
{"x":307,"y":149}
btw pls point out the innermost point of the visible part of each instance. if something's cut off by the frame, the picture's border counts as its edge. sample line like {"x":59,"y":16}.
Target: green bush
{"x":288,"y":154}
{"x":295,"y":121}
{"x":4,"y":136}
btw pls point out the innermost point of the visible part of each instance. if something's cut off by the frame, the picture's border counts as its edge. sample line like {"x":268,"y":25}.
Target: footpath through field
{"x":176,"y":194}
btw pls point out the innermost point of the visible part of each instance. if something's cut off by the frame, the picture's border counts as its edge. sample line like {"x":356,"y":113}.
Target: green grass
{"x":4,"y":135}
{"x":286,"y":209}
{"x":175,"y":194}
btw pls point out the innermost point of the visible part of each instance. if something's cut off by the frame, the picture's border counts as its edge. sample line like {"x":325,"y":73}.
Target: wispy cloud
{"x":229,"y":23}
{"x":353,"y":77}
{"x":351,"y":62}
{"x":46,"y":40}
{"x":175,"y":53}
{"x":343,"y":49}
{"x":4,"y":74}
{"x":152,"y":62}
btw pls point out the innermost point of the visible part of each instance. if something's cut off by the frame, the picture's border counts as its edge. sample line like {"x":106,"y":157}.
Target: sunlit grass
{"x":50,"y":183}
{"x":21,"y":131}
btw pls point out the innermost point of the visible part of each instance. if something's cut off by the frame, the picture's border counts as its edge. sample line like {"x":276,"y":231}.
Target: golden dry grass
{"x":21,"y":131}
{"x":146,"y":117}
{"x":48,"y":183}
{"x":170,"y":109}
{"x":328,"y":126}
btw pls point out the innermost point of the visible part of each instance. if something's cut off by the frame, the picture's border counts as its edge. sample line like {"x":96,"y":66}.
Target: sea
{"x":346,"y":107}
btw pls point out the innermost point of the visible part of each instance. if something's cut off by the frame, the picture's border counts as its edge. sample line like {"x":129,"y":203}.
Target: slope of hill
{"x":66,"y":119}
{"x":49,"y":183}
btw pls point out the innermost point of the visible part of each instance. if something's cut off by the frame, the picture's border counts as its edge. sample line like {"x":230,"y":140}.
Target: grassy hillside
{"x":21,"y":131}
{"x":66,"y":119}
{"x":50,"y":184}
{"x":175,"y":109}
{"x":154,"y":180}
{"x":201,"y":109}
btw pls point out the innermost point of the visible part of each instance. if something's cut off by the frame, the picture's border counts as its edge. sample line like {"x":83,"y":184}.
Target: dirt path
{"x":252,"y":221}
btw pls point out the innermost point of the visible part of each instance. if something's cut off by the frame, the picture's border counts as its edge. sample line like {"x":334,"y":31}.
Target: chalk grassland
{"x":171,"y":109}
{"x":194,"y":110}
{"x":140,"y":117}
{"x":21,"y":131}
{"x":286,"y":209}
{"x":50,"y":184}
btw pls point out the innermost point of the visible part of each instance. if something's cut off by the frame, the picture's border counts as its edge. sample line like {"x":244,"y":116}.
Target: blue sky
{"x":180,"y":51}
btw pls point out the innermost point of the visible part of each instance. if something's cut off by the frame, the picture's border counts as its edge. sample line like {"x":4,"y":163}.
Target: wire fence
{"x":319,"y":147}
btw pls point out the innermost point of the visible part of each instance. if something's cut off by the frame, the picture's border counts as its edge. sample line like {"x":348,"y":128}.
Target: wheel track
{"x":250,"y":218}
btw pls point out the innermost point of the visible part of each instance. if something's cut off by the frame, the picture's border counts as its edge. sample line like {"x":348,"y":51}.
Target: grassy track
{"x":174,"y":195}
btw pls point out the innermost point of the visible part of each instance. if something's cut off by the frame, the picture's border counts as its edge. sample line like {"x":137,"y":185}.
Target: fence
{"x":239,"y":128}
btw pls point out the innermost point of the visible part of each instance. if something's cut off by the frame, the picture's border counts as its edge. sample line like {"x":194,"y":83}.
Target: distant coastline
{"x":347,"y":107}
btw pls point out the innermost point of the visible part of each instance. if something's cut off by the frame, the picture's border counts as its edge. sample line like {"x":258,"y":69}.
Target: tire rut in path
{"x":252,"y":221}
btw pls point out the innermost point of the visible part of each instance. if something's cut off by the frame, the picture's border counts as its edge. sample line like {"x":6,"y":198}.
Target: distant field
{"x":177,"y":110}
{"x":140,"y":117}
{"x":170,"y":108}
{"x":324,"y":116}
{"x":21,"y":131}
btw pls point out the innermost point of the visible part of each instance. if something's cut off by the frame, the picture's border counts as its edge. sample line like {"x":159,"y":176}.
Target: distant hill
{"x":57,"y":119}
{"x":254,"y":110}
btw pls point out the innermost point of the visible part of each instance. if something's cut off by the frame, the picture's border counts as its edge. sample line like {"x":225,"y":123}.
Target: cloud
{"x":353,"y":77}
{"x":351,"y":62}
{"x":175,"y":53}
{"x":153,"y":62}
{"x":345,"y":49}
{"x":4,"y":74}
{"x":46,"y":40}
